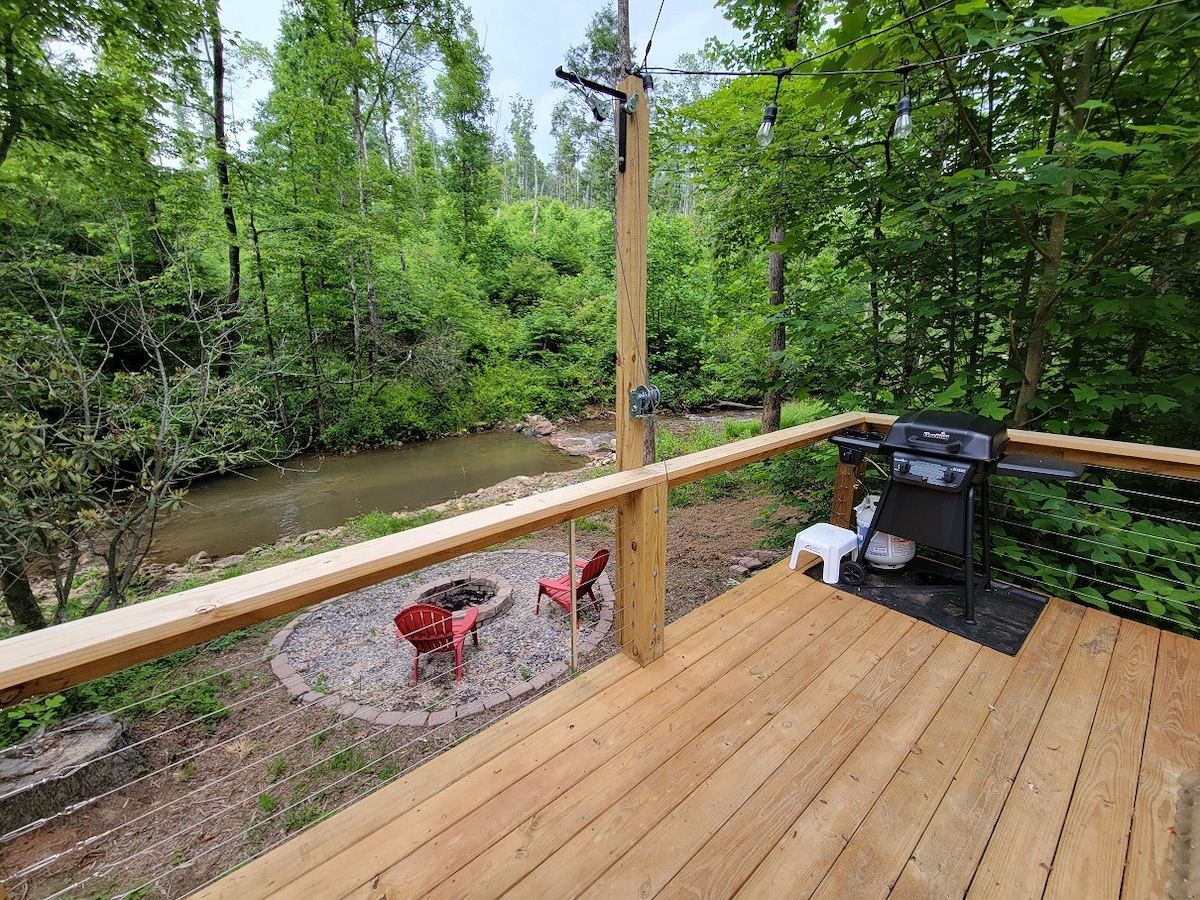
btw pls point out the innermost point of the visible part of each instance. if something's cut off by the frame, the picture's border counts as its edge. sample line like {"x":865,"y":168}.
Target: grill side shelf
{"x":1037,"y":468}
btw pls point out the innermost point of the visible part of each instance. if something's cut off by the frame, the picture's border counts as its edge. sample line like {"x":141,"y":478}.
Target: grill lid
{"x":945,"y":433}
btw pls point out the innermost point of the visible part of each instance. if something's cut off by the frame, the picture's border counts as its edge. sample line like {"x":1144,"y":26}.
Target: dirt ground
{"x":221,"y":786}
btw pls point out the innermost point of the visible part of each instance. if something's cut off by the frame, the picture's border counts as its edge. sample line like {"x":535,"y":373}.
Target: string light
{"x":903,"y":126}
{"x":768,"y":125}
{"x":766,"y":129}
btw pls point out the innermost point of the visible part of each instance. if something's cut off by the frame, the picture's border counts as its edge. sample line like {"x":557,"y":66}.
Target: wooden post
{"x":633,"y":200}
{"x":640,"y":616}
{"x":642,"y":518}
{"x":574,"y":585}
{"x":845,"y":493}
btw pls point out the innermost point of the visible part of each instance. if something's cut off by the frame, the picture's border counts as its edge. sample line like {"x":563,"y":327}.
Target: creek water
{"x":232,"y":513}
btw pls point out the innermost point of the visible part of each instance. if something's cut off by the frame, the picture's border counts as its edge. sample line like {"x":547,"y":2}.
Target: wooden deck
{"x":798,"y":741}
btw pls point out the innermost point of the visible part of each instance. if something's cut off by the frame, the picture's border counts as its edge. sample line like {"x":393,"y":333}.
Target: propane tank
{"x":886,"y":551}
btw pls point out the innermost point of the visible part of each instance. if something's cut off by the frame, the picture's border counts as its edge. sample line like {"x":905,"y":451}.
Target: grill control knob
{"x":902,"y":466}
{"x":948,"y":475}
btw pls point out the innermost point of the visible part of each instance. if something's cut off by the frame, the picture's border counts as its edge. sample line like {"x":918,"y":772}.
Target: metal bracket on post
{"x":628,"y":105}
{"x":628,"y":108}
{"x":643,"y":401}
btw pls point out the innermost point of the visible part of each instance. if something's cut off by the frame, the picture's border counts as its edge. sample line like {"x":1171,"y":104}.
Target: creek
{"x":229,"y":514}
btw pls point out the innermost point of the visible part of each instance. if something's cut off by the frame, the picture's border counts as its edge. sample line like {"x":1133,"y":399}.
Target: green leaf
{"x":1113,"y":148}
{"x":1093,"y":597}
{"x":1158,"y":401}
{"x":1082,"y":15}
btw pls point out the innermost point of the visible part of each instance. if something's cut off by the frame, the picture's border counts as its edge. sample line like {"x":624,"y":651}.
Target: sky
{"x":525,"y":40}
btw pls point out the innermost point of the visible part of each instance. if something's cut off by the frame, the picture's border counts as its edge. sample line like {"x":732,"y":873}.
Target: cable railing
{"x":302,"y":760}
{"x":1105,"y":543}
{"x":221,"y":785}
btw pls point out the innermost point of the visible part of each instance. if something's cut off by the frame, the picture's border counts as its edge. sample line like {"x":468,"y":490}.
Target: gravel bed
{"x":348,"y":646}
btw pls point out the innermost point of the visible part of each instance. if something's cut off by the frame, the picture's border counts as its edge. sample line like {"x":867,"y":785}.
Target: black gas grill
{"x":939,"y":462}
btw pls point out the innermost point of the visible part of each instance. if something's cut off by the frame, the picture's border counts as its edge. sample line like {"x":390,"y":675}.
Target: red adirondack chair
{"x":559,"y":589}
{"x":431,"y":629}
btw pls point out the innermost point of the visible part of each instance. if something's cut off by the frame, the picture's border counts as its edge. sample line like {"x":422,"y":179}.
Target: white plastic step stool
{"x":829,"y":542}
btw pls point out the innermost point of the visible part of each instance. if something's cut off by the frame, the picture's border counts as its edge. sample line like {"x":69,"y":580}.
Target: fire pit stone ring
{"x":460,"y":592}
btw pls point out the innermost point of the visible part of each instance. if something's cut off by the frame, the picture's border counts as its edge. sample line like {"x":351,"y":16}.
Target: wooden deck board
{"x":944,"y":860}
{"x":1088,"y":862}
{"x":773,"y":707}
{"x":876,"y":853}
{"x":1021,"y":849}
{"x":626,"y":750}
{"x":796,"y":741}
{"x":1172,"y":751}
{"x":544,"y":831}
{"x":805,"y":849}
{"x":762,"y":771}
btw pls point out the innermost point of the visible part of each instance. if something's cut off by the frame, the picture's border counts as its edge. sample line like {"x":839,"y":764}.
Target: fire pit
{"x":491,"y":594}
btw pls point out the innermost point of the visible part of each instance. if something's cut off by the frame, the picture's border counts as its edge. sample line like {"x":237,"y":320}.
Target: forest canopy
{"x":369,"y":260}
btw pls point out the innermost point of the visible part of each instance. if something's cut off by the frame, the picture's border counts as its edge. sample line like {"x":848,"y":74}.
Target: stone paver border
{"x":297,"y":687}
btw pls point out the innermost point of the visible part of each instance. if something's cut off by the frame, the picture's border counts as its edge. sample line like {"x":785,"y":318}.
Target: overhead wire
{"x":793,"y":70}
{"x":653,"y":31}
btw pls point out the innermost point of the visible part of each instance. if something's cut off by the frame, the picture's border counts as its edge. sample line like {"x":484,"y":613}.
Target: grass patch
{"x":276,"y":767}
{"x":302,"y":816}
{"x":376,"y":524}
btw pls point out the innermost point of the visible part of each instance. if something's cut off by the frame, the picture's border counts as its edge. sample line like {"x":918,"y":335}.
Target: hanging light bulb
{"x":903,"y":119}
{"x":766,"y":131}
{"x":767,"y":128}
{"x":903,"y":126}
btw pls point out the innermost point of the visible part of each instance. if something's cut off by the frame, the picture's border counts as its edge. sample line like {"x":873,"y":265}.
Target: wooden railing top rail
{"x":46,"y":661}
{"x":52,"y":659}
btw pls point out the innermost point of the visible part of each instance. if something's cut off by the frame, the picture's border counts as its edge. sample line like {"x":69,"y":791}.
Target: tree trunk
{"x":12,"y":127}
{"x":624,"y":57}
{"x":233,"y":298}
{"x":536,"y":189}
{"x":280,"y":409}
{"x":360,"y":145}
{"x":773,"y":398}
{"x":1051,"y":289}
{"x":19,"y":597}
{"x":318,"y":397}
{"x":1035,"y":346}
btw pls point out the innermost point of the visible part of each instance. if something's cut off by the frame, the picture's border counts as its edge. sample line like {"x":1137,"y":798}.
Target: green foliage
{"x":1013,"y":256}
{"x":1097,"y":550}
{"x":1029,"y":253}
{"x":36,"y":713}
{"x":167,"y":684}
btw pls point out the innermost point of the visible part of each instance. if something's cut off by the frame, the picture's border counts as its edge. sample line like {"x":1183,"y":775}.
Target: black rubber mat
{"x":935,"y":594}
